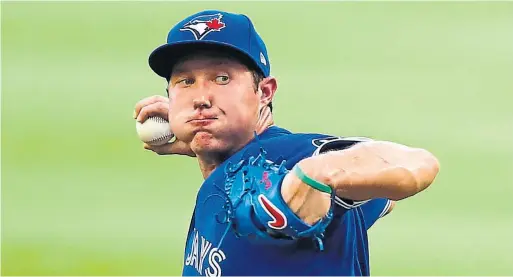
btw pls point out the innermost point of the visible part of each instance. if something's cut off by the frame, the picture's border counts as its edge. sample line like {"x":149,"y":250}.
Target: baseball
{"x":154,"y":131}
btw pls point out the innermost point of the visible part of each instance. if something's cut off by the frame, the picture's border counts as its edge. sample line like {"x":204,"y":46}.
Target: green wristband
{"x":311,"y":182}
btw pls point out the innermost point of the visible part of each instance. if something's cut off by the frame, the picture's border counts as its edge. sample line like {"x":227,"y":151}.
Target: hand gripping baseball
{"x":156,"y":108}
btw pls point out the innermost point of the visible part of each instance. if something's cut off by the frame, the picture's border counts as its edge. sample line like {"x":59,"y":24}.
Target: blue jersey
{"x":212,"y":249}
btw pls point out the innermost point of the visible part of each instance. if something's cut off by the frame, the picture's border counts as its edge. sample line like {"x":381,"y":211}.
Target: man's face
{"x":213,"y":103}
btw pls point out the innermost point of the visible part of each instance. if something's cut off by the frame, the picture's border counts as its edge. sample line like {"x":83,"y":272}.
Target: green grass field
{"x":81,"y":197}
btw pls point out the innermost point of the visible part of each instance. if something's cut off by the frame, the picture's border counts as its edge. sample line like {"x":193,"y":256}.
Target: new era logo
{"x":262,"y":59}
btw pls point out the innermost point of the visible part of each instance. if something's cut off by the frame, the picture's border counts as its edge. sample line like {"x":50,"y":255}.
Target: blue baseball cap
{"x":212,"y":29}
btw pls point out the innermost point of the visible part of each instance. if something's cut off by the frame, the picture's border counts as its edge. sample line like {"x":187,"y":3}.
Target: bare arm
{"x":373,"y":169}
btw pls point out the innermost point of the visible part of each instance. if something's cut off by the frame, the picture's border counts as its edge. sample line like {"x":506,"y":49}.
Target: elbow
{"x":417,"y":179}
{"x":428,"y":169}
{"x":425,"y":173}
{"x":407,"y":186}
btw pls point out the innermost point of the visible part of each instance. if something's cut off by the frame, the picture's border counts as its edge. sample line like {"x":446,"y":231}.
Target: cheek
{"x":177,"y":103}
{"x":175,"y":113}
{"x":172,"y":116}
{"x":241,"y":107}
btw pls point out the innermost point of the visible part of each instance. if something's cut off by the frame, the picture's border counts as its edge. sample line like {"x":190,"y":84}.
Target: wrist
{"x":308,"y":202}
{"x":316,"y":170}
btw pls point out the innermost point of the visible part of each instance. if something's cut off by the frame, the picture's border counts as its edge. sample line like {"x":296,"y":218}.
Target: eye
{"x":222,"y":79}
{"x":185,"y":82}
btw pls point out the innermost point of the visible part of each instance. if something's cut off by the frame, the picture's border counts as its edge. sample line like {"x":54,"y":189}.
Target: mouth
{"x":202,"y":121}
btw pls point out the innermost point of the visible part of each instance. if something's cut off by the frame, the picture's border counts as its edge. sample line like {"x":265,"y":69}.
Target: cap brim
{"x":164,"y":57}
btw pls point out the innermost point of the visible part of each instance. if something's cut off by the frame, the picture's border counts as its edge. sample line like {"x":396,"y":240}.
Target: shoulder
{"x":333,"y":143}
{"x":281,"y":144}
{"x":283,"y":139}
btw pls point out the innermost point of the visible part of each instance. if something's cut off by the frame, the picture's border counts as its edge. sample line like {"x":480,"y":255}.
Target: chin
{"x":206,"y":142}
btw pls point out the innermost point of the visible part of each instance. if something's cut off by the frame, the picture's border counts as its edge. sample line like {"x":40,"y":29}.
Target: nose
{"x":201,"y":103}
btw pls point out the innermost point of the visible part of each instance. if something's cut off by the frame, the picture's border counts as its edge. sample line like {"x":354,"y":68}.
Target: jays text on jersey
{"x":212,"y":249}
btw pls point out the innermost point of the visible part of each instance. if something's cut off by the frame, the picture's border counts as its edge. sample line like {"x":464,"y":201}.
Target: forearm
{"x":374,"y":170}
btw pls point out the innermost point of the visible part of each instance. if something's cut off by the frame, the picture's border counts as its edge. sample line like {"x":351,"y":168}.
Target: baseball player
{"x":272,"y":202}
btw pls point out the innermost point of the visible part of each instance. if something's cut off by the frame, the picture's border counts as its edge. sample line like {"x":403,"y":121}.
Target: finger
{"x":148,"y":101}
{"x":156,"y":109}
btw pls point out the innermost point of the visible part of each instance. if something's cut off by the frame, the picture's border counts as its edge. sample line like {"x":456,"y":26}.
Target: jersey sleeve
{"x":334,"y":144}
{"x":374,"y":210}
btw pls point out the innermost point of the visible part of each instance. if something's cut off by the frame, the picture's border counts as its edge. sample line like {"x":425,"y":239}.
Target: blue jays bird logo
{"x":202,"y":25}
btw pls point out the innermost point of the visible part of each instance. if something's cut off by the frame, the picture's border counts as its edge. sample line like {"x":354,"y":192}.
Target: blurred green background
{"x":81,"y":197}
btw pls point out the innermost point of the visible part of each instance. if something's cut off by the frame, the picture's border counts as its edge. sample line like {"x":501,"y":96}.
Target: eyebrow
{"x":178,"y":69}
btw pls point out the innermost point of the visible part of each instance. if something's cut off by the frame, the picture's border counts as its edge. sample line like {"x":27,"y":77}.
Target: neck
{"x":208,"y":162}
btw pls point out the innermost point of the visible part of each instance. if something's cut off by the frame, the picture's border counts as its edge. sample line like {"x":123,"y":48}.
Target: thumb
{"x":176,"y":147}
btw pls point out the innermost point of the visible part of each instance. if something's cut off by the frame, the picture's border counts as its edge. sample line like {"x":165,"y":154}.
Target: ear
{"x":267,"y":89}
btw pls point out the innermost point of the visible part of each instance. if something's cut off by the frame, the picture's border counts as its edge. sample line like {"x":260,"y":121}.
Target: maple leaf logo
{"x":215,"y":24}
{"x":203,"y":25}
